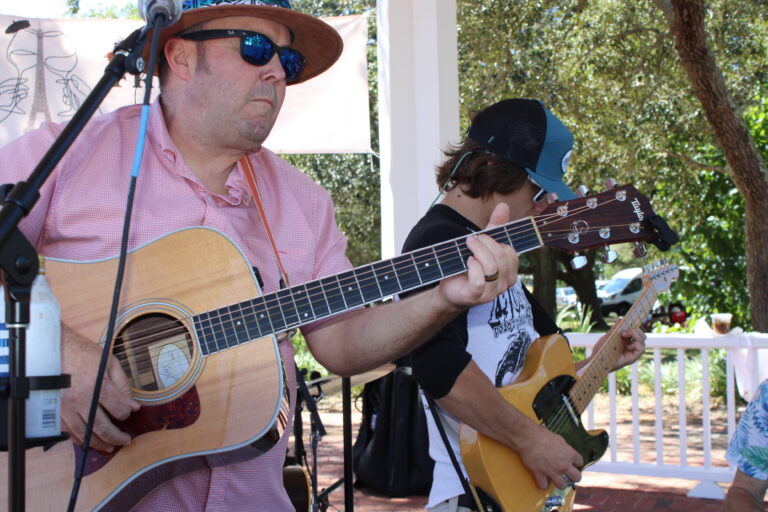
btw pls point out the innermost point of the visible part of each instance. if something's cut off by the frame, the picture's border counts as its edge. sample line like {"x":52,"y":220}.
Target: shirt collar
{"x":236,"y":185}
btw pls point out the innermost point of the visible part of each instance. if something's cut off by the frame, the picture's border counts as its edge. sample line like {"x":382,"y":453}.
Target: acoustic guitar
{"x":549,"y":391}
{"x":298,"y":486}
{"x":197,"y":340}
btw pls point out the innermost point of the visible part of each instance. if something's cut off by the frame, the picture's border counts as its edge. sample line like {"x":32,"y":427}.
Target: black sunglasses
{"x":257,"y":49}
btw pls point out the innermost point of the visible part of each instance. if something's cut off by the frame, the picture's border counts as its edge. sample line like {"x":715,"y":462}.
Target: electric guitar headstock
{"x":619,"y":215}
{"x":659,"y":276}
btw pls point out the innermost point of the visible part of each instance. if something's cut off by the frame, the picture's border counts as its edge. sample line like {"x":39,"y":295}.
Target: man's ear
{"x":181,"y":56}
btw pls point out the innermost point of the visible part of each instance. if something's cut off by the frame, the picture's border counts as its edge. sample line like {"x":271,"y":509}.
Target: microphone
{"x":170,"y":10}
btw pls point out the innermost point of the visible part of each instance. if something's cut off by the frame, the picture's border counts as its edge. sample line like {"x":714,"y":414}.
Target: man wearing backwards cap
{"x":225,"y":70}
{"x":515,"y":152}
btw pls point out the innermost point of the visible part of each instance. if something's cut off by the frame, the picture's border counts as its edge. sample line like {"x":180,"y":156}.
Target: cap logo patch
{"x":566,"y":159}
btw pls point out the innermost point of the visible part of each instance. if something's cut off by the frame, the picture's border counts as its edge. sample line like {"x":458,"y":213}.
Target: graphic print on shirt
{"x":509,"y":315}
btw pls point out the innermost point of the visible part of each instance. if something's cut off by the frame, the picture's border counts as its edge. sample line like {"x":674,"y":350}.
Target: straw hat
{"x":315,"y":39}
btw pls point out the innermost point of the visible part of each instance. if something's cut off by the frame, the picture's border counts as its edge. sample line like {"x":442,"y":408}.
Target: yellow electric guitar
{"x":549,"y":391}
{"x":197,"y":340}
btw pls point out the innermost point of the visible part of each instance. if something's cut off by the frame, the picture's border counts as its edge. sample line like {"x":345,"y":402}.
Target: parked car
{"x":565,"y":295}
{"x":619,"y":293}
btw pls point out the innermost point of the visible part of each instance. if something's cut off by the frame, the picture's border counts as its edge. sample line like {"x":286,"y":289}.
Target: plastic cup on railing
{"x":721,"y":322}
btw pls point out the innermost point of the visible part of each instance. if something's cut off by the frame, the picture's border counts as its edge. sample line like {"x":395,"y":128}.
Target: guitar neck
{"x":603,"y":361}
{"x":293,"y":307}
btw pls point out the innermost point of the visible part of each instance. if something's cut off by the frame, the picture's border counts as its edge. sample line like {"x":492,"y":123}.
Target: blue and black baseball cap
{"x":526,"y":133}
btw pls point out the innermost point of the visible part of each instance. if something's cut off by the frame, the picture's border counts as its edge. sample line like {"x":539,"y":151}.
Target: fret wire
{"x":323,"y":298}
{"x":252,"y":314}
{"x":213,"y":328}
{"x":376,"y":280}
{"x":437,"y":259}
{"x":235,"y":326}
{"x":309,"y":302}
{"x":295,"y":306}
{"x":394,"y":271}
{"x":341,"y":290}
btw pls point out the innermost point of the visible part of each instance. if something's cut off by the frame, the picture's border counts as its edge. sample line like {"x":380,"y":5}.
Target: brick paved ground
{"x":598,"y":492}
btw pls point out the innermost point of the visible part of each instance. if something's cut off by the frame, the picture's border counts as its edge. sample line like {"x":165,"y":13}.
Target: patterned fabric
{"x":748,"y":448}
{"x":79,"y":216}
{"x":194,"y":4}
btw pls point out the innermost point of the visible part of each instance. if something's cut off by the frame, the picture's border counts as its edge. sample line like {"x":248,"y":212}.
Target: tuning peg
{"x":609,"y":255}
{"x":578,"y":262}
{"x":582,"y":191}
{"x":640,"y":250}
{"x":552,"y":198}
{"x":610,"y":184}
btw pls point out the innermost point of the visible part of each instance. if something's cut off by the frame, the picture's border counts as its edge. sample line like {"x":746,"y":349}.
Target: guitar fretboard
{"x":603,"y":361}
{"x":293,"y":307}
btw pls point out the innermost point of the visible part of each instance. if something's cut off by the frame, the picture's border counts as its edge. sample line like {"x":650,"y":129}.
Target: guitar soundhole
{"x":155,"y":351}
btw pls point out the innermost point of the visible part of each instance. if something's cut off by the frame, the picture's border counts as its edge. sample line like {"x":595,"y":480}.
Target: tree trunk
{"x":746,"y":167}
{"x":545,"y":279}
{"x":583,"y":281}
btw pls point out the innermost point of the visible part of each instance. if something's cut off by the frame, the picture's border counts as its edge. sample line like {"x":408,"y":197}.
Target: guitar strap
{"x":250,"y":177}
{"x":304,"y":394}
{"x":468,"y":489}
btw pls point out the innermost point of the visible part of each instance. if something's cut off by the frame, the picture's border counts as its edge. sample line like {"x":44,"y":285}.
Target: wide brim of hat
{"x":314,"y":38}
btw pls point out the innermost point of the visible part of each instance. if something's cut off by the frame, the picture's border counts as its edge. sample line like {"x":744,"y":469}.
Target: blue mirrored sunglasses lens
{"x":292,"y":62}
{"x":257,"y":49}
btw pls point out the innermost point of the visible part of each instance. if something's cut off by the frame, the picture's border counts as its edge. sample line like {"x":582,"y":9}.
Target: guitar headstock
{"x":615,"y":216}
{"x":660,"y":275}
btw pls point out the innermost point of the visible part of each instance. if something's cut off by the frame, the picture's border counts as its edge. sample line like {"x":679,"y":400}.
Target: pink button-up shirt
{"x":80,"y":216}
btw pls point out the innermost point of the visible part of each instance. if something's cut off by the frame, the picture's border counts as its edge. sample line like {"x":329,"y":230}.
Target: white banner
{"x":48,"y":67}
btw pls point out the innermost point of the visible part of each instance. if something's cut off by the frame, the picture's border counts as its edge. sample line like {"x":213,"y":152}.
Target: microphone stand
{"x":19,"y":264}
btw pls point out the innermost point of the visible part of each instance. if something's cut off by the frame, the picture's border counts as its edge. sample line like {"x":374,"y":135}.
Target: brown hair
{"x":480,"y":173}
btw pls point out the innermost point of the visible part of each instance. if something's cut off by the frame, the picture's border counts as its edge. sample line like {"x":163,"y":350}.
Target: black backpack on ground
{"x":391,"y":453}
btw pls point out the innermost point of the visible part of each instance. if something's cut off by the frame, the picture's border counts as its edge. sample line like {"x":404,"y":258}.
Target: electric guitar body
{"x":546,"y":378}
{"x":549,"y":392}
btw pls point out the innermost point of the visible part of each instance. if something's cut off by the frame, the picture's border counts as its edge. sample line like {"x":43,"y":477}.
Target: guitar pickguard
{"x":554,"y":408}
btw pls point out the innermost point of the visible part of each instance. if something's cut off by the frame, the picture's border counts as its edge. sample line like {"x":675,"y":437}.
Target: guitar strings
{"x":507,"y":230}
{"x":316,"y":289}
{"x":561,"y":417}
{"x":138,"y":342}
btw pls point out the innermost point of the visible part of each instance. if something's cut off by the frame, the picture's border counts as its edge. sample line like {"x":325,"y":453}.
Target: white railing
{"x":699,"y":462}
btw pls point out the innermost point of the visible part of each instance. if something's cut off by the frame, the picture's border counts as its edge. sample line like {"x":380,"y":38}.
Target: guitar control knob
{"x":554,"y":501}
{"x":608,"y":256}
{"x":578,"y":262}
{"x":640,"y":250}
{"x":582,"y":191}
{"x":610,"y":184}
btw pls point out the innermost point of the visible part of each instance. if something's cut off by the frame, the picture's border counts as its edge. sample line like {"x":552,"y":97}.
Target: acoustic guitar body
{"x":539,"y":393}
{"x":200,"y":407}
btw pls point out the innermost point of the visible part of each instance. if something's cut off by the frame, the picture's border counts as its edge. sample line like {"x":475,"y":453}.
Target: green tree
{"x":351,"y":179}
{"x":612,"y":73}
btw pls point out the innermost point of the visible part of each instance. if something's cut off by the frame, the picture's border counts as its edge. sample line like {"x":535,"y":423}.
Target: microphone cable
{"x":160,"y":18}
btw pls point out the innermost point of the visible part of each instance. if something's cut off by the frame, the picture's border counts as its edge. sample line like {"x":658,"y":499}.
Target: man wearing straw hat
{"x":223,"y":78}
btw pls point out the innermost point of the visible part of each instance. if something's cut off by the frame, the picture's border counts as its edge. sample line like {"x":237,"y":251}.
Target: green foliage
{"x":352,"y":180}
{"x":128,"y":10}
{"x":574,"y":318}
{"x":611,"y":73}
{"x":668,"y":383}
